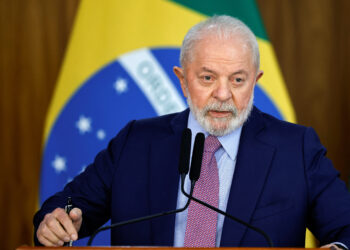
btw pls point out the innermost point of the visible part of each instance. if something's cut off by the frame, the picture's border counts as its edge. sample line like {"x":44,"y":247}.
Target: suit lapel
{"x":164,"y":180}
{"x":252,"y":167}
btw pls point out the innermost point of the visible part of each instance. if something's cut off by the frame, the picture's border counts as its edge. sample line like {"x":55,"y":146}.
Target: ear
{"x":179,"y":72}
{"x":259,"y":75}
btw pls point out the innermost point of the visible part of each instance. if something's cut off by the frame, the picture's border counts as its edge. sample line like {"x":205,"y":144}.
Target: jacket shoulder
{"x":156,"y":127}
{"x":277,"y":132}
{"x":273,"y":123}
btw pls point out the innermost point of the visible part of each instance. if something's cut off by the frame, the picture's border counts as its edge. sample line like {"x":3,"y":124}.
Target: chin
{"x":219,"y":124}
{"x":220,"y":128}
{"x":224,"y":125}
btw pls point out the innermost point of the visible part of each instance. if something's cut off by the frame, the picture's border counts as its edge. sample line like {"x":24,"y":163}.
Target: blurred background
{"x":311,"y":39}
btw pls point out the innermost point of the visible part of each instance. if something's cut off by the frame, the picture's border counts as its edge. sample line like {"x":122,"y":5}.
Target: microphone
{"x":185,"y":151}
{"x":196,"y":165}
{"x":197,"y":157}
{"x":196,"y":162}
{"x":184,"y":160}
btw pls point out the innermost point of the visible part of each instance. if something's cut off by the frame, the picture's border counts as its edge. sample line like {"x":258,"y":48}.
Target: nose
{"x":222,"y":91}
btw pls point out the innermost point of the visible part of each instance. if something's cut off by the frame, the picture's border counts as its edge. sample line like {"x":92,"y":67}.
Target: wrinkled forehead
{"x":213,"y":44}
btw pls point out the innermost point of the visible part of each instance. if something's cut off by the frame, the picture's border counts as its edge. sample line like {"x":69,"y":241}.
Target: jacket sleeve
{"x":90,"y":191}
{"x":328,"y":197}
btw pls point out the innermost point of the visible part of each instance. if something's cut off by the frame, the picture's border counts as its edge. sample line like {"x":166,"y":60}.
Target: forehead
{"x":212,"y":49}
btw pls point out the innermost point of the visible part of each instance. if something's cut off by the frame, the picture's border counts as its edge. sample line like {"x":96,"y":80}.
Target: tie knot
{"x":211,"y":144}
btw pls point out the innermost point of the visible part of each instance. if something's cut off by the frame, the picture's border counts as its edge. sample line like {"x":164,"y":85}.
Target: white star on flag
{"x":83,"y":124}
{"x":101,"y":134}
{"x":59,"y":164}
{"x":121,"y":85}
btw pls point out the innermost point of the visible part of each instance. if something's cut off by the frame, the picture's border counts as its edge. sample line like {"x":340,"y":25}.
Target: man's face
{"x":219,"y":82}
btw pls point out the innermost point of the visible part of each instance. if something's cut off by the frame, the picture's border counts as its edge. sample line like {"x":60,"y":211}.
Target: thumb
{"x":77,"y":217}
{"x":76,"y":214}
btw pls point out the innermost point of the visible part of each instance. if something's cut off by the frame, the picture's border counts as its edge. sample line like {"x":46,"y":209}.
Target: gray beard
{"x":227,"y":124}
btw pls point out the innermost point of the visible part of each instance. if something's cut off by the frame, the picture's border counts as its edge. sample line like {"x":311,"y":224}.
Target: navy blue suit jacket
{"x":282,"y":183}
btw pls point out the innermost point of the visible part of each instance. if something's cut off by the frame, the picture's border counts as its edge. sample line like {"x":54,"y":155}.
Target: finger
{"x":40,"y":235}
{"x":331,"y":246}
{"x":52,"y":225}
{"x":46,"y":235}
{"x":51,"y":237}
{"x":55,"y":222}
{"x":68,"y":231}
{"x":45,"y":242}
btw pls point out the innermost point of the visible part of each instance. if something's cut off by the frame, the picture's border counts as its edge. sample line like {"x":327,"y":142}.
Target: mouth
{"x":219,"y":114}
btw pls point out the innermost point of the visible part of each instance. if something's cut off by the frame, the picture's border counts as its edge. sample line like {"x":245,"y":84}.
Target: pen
{"x":67,"y":209}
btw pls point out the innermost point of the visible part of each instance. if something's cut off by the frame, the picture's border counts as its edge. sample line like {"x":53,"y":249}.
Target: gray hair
{"x":224,"y":27}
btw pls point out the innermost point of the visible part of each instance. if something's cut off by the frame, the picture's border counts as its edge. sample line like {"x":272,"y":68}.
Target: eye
{"x":207,"y":78}
{"x":238,"y":81}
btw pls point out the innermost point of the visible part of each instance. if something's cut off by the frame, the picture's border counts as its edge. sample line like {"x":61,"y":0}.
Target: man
{"x":269,"y":173}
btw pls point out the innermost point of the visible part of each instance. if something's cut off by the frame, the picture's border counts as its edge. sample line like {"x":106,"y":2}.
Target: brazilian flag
{"x":118,"y":67}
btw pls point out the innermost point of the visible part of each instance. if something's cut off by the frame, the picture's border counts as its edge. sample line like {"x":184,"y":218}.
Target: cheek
{"x":199,"y":96}
{"x":242,"y":98}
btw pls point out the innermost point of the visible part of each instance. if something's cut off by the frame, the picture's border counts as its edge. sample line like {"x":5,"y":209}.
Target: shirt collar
{"x":229,"y":142}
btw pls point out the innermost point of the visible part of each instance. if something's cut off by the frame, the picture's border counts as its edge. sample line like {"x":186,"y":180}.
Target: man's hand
{"x":57,"y":227}
{"x":332,"y":247}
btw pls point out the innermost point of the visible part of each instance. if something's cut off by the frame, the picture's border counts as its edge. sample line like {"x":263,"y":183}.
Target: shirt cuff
{"x":340,"y":245}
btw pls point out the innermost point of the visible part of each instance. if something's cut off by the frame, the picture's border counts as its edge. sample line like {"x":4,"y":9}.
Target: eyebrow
{"x":208,"y":70}
{"x":241,"y":71}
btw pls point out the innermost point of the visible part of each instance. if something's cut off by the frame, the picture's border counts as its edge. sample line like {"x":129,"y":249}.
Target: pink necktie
{"x":201,"y":221}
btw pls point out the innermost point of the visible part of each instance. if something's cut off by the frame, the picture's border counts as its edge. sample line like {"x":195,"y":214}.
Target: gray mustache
{"x":223,"y":107}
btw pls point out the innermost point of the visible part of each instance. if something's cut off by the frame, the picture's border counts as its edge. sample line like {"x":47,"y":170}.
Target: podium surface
{"x":164,"y":248}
